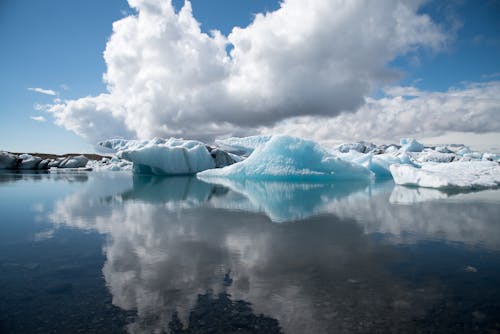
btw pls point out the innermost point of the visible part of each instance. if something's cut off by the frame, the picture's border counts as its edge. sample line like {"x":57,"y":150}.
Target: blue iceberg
{"x":291,"y":159}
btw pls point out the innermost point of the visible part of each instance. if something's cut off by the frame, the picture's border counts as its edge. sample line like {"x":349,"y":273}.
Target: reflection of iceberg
{"x":180,"y":191}
{"x":412,"y":195}
{"x":406,"y":195}
{"x":283,"y":201}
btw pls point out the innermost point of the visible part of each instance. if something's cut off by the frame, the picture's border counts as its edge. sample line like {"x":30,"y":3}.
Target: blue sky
{"x":58,"y":45}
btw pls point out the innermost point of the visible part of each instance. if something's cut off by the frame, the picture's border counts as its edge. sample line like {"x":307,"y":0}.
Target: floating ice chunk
{"x":491,"y":156}
{"x":362,"y":147}
{"x":79,"y":161}
{"x":55,"y":163}
{"x":7,"y":160}
{"x":164,"y":157}
{"x":114,"y":164}
{"x":459,"y":174}
{"x":435,"y":156}
{"x":379,"y":163}
{"x":44,"y":164}
{"x":411,"y":145}
{"x":242,"y":146}
{"x":29,"y":161}
{"x":289,"y":158}
{"x":463,"y":150}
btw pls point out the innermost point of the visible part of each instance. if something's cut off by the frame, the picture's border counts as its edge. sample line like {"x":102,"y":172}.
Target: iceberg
{"x":164,"y":157}
{"x":7,"y":160}
{"x":291,"y":159}
{"x":457,"y":174}
{"x":78,"y":161}
{"x":114,"y":164}
{"x":29,"y":162}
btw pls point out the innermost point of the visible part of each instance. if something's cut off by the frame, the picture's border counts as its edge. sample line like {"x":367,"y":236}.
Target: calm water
{"x":113,"y":253}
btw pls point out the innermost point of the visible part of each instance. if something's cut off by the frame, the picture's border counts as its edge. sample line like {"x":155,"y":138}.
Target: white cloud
{"x":38,"y":118}
{"x":407,"y":111}
{"x":43,"y":91}
{"x":319,"y":57}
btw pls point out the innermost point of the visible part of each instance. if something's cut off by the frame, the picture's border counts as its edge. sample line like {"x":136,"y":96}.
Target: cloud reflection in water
{"x":170,"y":239}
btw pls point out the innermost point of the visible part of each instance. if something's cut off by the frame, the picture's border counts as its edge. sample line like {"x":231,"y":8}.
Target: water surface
{"x":116,"y":253}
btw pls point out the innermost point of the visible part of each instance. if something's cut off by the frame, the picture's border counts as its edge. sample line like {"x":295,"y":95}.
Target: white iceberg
{"x":164,"y":157}
{"x":378,"y":163}
{"x":291,"y":159}
{"x":113,"y":164}
{"x":459,"y":174}
{"x":429,"y":155}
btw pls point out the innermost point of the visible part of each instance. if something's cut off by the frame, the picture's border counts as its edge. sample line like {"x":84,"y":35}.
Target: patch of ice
{"x":79,"y":161}
{"x":290,"y":158}
{"x":7,"y":160}
{"x":163,"y":157}
{"x":29,"y":161}
{"x":429,"y":155}
{"x":459,"y":174}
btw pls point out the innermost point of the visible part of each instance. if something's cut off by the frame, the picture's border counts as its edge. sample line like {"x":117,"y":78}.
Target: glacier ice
{"x":458,"y":174}
{"x":290,"y":158}
{"x":163,"y":157}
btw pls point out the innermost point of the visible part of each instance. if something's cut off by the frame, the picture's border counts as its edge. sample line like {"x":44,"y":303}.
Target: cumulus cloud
{"x":38,"y":118}
{"x":165,"y":77}
{"x":474,"y":107}
{"x":43,"y":91}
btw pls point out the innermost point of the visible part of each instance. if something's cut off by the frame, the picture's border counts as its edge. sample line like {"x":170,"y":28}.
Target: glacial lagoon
{"x":121,"y":253}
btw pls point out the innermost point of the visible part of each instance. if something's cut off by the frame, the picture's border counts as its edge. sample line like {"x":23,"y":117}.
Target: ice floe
{"x":459,"y":174}
{"x":290,"y":158}
{"x":169,"y":156}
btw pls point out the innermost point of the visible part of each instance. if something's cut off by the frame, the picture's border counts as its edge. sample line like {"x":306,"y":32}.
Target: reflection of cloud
{"x":469,"y":218}
{"x":169,"y":240}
